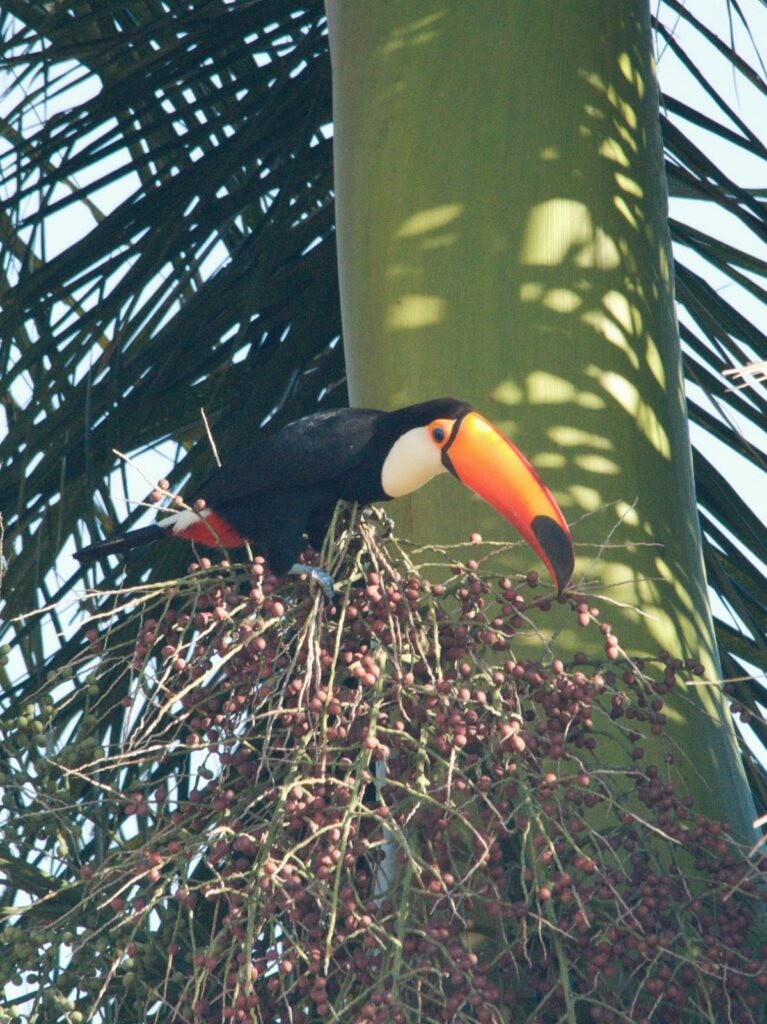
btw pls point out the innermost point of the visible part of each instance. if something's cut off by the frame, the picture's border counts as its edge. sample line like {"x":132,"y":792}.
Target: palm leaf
{"x":209,"y":116}
{"x":722,"y":297}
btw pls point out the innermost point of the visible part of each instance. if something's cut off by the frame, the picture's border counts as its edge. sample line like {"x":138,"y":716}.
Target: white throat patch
{"x":413,"y":460}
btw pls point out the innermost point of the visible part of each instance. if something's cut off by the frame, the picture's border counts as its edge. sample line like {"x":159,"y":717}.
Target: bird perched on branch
{"x":287,"y":484}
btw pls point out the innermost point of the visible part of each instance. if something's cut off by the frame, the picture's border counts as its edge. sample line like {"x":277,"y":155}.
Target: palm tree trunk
{"x":502,"y":230}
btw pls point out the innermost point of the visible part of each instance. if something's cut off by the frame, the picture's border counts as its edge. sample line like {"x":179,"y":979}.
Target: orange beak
{"x":495,"y":469}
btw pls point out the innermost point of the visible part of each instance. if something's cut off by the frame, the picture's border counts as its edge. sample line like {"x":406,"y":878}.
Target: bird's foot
{"x":377,"y":515}
{"x":324,"y":579}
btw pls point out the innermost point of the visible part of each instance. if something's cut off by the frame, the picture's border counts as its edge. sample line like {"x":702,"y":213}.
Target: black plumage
{"x":287,"y":484}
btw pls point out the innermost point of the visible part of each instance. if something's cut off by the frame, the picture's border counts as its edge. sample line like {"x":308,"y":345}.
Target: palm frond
{"x":715,"y":151}
{"x":168,"y":245}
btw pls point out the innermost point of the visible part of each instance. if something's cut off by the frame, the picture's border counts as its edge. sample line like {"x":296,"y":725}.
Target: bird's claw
{"x":381,"y":517}
{"x":324,"y":579}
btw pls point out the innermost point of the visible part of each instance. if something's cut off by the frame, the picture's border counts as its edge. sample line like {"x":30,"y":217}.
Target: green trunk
{"x":501,"y":211}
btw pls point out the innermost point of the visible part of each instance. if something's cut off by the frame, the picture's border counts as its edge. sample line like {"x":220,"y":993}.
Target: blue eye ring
{"x":438,"y":434}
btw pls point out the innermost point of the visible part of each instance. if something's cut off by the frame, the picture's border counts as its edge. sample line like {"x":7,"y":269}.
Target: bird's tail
{"x":118,"y":543}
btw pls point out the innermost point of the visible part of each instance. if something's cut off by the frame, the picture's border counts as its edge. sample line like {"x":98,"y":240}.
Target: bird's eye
{"x":438,"y":434}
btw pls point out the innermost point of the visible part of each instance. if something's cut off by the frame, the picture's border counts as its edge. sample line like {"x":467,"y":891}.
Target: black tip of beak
{"x":558,"y":547}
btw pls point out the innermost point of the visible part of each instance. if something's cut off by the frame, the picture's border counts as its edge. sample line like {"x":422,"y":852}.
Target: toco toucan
{"x":287,"y":484}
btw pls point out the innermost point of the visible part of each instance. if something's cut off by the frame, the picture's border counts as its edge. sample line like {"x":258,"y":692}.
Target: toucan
{"x":288,"y":483}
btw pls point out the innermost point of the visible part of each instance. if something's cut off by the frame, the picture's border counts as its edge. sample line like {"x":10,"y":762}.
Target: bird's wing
{"x":309,"y":452}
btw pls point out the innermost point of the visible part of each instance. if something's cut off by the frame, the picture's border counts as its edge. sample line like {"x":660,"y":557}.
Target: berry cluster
{"x":384,"y":810}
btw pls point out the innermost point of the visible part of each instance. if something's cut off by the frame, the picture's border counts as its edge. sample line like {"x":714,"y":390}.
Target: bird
{"x":288,"y":483}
